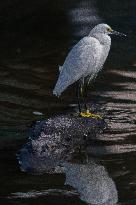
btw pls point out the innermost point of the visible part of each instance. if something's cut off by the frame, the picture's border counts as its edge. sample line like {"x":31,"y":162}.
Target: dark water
{"x":35,"y":38}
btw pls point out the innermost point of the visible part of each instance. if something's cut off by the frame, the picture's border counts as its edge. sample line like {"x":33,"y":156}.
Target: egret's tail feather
{"x":58,"y":89}
{"x":60,"y":68}
{"x":61,"y":84}
{"x":56,"y":92}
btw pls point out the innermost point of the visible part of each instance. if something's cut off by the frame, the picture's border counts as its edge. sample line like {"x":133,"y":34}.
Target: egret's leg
{"x":83,"y":91}
{"x":89,"y":81}
{"x":78,"y":96}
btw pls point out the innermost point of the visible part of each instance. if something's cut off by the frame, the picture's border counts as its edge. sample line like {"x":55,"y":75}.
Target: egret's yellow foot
{"x":89,"y":114}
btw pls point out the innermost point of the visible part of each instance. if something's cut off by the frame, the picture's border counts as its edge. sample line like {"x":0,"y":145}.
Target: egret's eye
{"x":109,"y":29}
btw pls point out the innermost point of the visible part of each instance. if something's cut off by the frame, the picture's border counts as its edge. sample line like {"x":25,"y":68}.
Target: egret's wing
{"x":80,"y":61}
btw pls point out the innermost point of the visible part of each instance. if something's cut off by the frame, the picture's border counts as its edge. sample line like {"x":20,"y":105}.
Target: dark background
{"x":35,"y":37}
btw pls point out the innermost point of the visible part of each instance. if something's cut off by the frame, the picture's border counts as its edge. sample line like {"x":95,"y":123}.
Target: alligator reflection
{"x":92,"y":182}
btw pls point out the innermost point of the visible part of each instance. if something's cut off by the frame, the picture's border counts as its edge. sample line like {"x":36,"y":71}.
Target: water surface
{"x":35,"y":38}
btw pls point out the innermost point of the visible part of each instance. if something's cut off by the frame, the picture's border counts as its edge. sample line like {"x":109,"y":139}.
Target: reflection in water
{"x":92,"y":182}
{"x":119,"y":103}
{"x":34,"y":40}
{"x":36,"y":194}
{"x":83,"y":16}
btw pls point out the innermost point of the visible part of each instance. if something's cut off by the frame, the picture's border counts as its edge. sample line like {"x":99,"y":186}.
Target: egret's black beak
{"x":117,"y":33}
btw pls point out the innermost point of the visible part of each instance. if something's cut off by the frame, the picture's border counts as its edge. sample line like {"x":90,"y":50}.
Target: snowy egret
{"x":84,"y":61}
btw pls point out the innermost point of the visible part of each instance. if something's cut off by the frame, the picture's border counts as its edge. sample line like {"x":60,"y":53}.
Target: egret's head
{"x":105,"y":29}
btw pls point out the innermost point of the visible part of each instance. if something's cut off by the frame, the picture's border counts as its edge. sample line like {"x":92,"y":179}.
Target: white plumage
{"x":85,"y":59}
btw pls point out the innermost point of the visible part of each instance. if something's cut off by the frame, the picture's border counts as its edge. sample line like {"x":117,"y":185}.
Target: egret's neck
{"x":104,"y":39}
